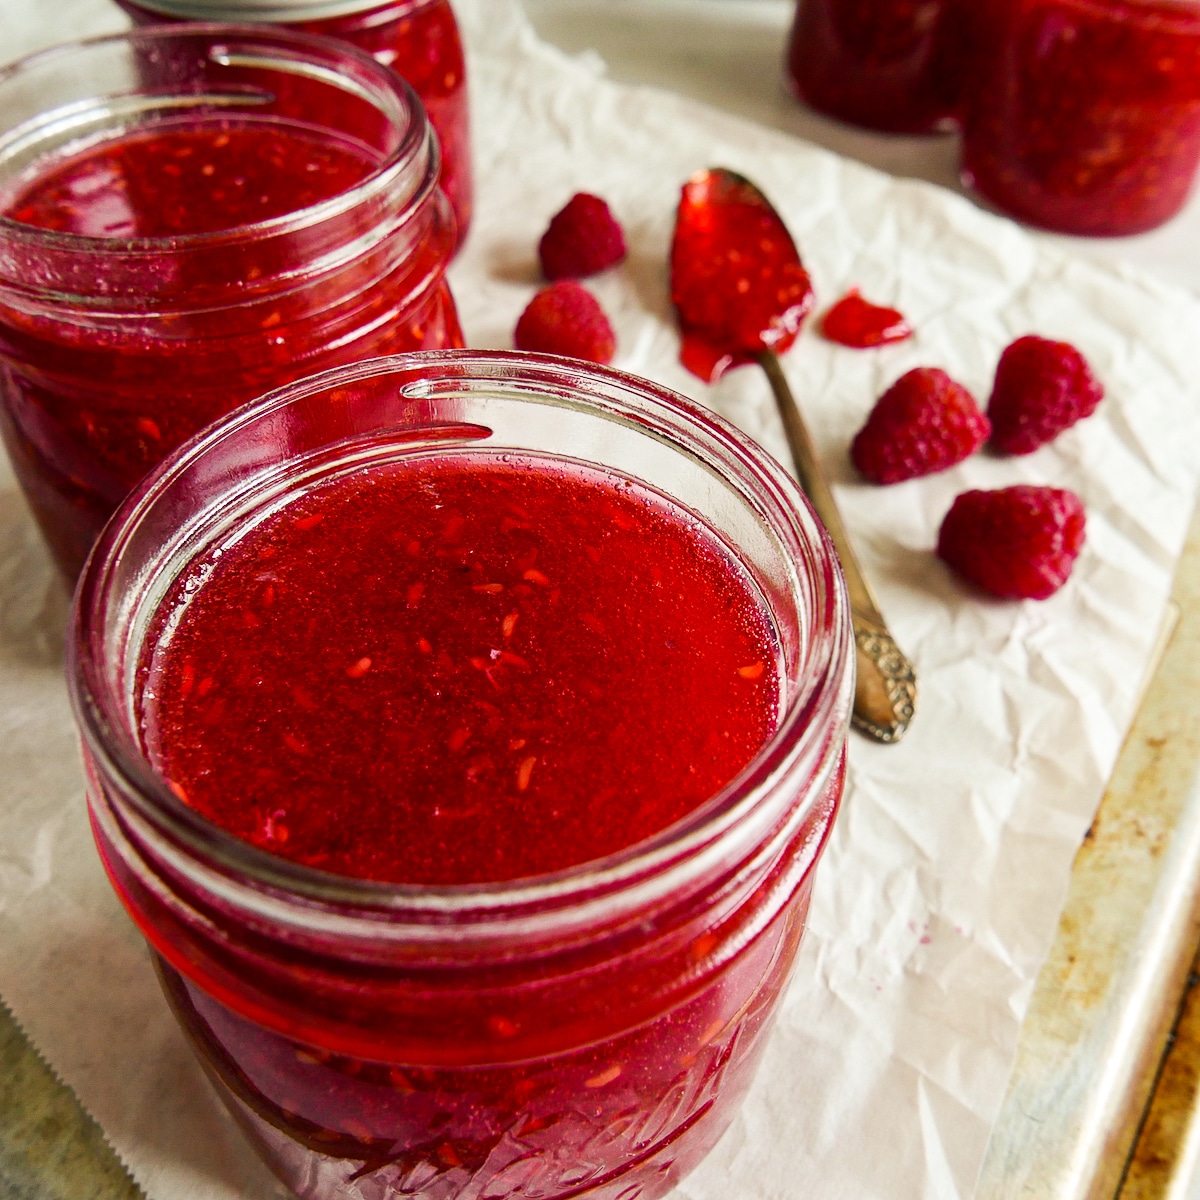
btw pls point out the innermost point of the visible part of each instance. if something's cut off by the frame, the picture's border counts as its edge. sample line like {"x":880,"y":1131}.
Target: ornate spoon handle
{"x":885,"y":693}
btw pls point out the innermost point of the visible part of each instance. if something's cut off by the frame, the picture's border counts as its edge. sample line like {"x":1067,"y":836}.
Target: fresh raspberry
{"x":924,"y":422}
{"x":565,"y":318}
{"x":1042,"y":387}
{"x":1019,"y":543}
{"x":582,"y":238}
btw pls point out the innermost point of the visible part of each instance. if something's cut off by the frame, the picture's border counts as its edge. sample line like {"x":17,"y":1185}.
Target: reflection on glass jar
{"x":418,"y":38}
{"x":892,"y":65}
{"x":590,"y":1029}
{"x":190,"y":218}
{"x":1083,"y":116}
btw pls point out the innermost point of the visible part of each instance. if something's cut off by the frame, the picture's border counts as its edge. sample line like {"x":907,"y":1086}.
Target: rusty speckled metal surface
{"x":1166,"y":1159}
{"x":1093,"y":1044}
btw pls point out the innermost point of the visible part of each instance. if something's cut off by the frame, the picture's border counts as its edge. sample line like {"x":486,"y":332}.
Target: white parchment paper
{"x":940,"y":893}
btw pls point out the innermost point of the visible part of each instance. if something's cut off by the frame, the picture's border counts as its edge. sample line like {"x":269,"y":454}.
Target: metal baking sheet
{"x":1093,"y":1049}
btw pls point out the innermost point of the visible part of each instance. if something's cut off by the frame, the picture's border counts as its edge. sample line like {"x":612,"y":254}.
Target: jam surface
{"x":737,"y":282}
{"x":169,"y":181}
{"x":1083,"y":116}
{"x":460,"y":670}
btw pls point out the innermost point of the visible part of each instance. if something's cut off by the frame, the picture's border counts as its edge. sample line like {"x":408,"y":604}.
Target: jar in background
{"x":117,"y":344}
{"x":891,"y":65}
{"x":418,"y":38}
{"x":588,"y":1031}
{"x":1083,"y":116}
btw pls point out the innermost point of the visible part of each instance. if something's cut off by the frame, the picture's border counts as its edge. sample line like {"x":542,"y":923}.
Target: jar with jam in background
{"x":232,"y":208}
{"x":891,"y":65}
{"x":417,"y":38}
{"x":1083,"y":116}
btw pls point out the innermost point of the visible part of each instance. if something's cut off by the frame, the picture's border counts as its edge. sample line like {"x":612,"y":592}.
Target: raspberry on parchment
{"x":1019,"y":543}
{"x":582,"y":239}
{"x":925,"y":422}
{"x":1041,"y":388}
{"x":565,"y":318}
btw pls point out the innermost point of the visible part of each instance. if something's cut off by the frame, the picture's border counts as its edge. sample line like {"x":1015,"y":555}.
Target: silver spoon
{"x":886,"y":687}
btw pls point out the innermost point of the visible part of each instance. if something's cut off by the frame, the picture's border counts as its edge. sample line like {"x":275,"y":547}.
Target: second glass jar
{"x":116,"y":346}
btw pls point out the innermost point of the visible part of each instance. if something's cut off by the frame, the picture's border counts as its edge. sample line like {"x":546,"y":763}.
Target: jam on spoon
{"x":741,"y":293}
{"x":736,"y":280}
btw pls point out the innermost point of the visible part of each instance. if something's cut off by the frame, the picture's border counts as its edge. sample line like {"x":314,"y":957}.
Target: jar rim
{"x":272,"y":11}
{"x":811,"y":729}
{"x":308,"y":53}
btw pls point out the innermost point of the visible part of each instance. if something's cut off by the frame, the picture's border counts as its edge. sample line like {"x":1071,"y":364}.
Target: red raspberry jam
{"x":419,"y":39}
{"x":490,"y":781}
{"x":159,"y":274}
{"x":737,"y":282}
{"x":892,"y":65}
{"x":1083,"y":116}
{"x":486,"y":695}
{"x":195,"y":179}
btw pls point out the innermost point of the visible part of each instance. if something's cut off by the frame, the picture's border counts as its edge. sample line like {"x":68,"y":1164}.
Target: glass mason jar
{"x":892,"y":65}
{"x":114,"y":349}
{"x":585,"y":1032}
{"x":417,"y":38}
{"x":1083,"y":116}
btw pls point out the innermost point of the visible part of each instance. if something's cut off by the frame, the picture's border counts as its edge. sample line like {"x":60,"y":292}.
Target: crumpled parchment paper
{"x":940,"y":893}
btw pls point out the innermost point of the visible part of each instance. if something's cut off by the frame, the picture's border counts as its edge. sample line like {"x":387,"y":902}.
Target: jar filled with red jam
{"x":418,"y":38}
{"x":1083,"y":116}
{"x":892,"y":65}
{"x":462,"y":731}
{"x":189,"y":217}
